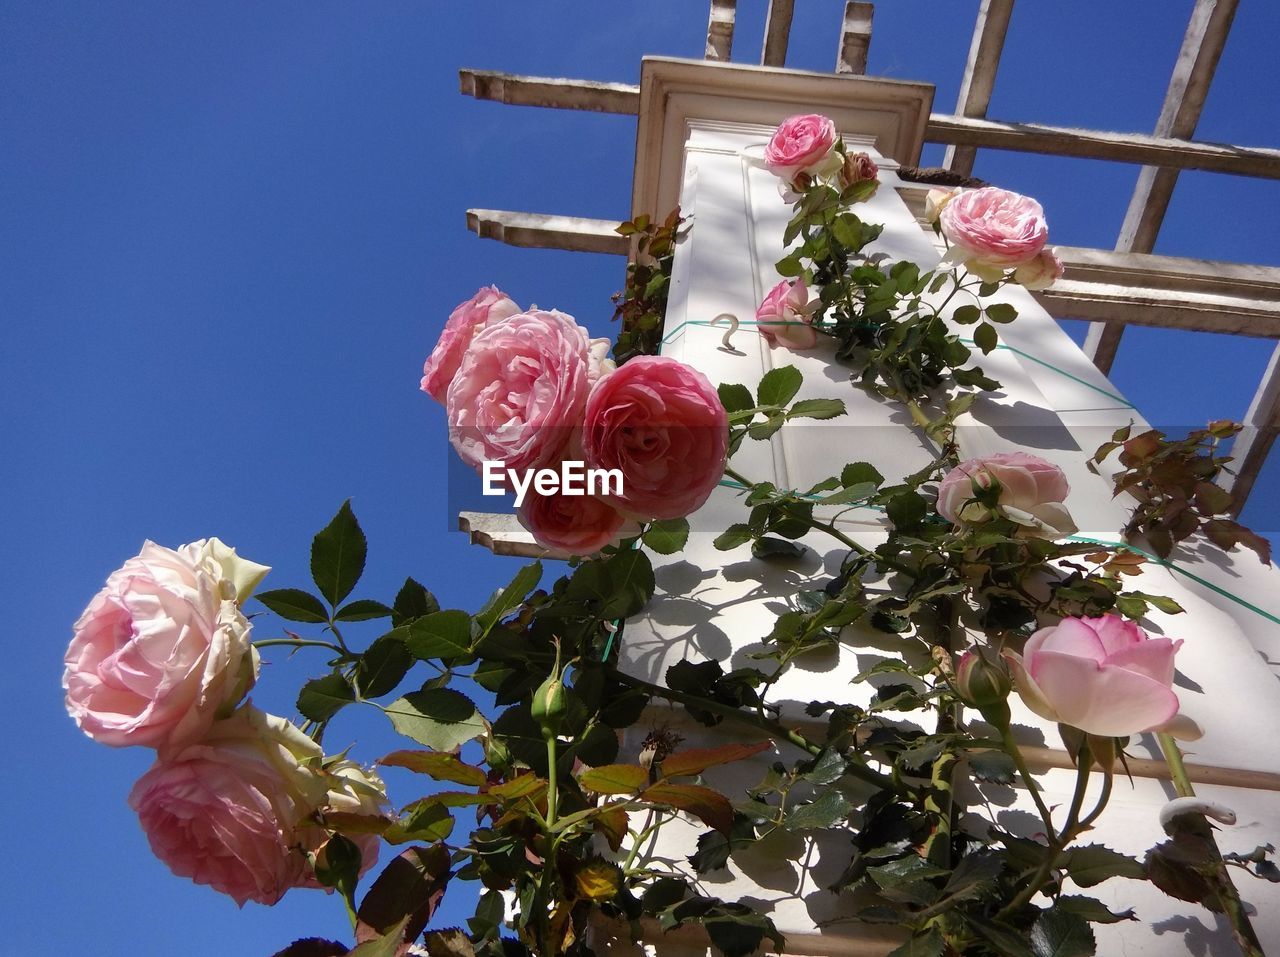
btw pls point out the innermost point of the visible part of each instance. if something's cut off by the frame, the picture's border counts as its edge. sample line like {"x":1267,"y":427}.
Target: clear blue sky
{"x":229,"y":233}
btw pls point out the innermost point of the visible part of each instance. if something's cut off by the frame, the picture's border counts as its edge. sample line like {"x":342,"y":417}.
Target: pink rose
{"x":1041,"y":273}
{"x":784,"y":316}
{"x":1104,"y":676}
{"x":859,"y":168}
{"x":520,"y":391}
{"x":229,"y":812}
{"x":801,"y":144}
{"x":163,"y":648}
{"x":488,"y":306}
{"x":573,"y":524}
{"x":992,"y":230}
{"x":1015,"y":485}
{"x":661,"y":423}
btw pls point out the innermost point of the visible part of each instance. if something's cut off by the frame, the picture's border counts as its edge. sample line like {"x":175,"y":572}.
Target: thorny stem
{"x":298,"y":643}
{"x":1242,"y":931}
{"x":1011,"y":747}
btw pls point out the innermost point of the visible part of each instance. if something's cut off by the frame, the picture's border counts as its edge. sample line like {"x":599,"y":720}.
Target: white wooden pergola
{"x":1111,"y":288}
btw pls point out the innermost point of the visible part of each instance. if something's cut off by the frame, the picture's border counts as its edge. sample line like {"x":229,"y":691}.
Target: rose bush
{"x":163,"y":648}
{"x":1021,"y":487}
{"x":801,"y":144}
{"x":661,"y":423}
{"x":520,"y":391}
{"x":783,"y":316}
{"x":488,"y":306}
{"x":992,"y":230}
{"x":228,"y":810}
{"x":1104,"y":675}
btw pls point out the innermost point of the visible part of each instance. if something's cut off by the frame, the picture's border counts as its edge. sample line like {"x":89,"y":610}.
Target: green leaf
{"x":926,"y":944}
{"x":994,"y":766}
{"x":436,"y":765}
{"x":827,"y":769}
{"x":444,"y":634}
{"x":428,"y":823}
{"x":412,"y":601}
{"x":847,"y":496}
{"x":1058,"y":933}
{"x":383,"y":665}
{"x":363,"y":609}
{"x":321,"y":698}
{"x":767,"y":548}
{"x":525,"y":581}
{"x":779,"y":386}
{"x":966,"y":314}
{"x":440,"y":718}
{"x":1092,"y":910}
{"x":860,"y":473}
{"x":1002,"y":938}
{"x":1001,"y":312}
{"x":1092,"y":864}
{"x":387,"y":945}
{"x":614,"y":779}
{"x":905,"y":870}
{"x":906,"y":510}
{"x":452,"y":941}
{"x":294,"y":604}
{"x":763,"y":430}
{"x":985,"y":337}
{"x":734,"y":397}
{"x":827,"y":810}
{"x":817,"y":409}
{"x":666,"y":537}
{"x":337,"y":555}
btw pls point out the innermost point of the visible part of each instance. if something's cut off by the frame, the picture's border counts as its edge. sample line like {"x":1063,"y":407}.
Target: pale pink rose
{"x":783,"y":316}
{"x":858,"y":168}
{"x":662,"y":424}
{"x":935,"y":200}
{"x":598,"y":361}
{"x":801,"y":144}
{"x":230,"y":811}
{"x":488,"y":306}
{"x":573,"y":524}
{"x":520,"y":391}
{"x":1031,"y":493}
{"x":1105,"y":676}
{"x":1042,"y":272}
{"x":993,"y":229}
{"x":163,"y":648}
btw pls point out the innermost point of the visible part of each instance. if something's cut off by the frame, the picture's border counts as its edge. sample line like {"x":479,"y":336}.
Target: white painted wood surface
{"x":719,"y":605}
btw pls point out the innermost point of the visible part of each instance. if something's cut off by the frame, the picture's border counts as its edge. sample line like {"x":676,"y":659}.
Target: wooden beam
{"x":855,"y":38}
{"x":1261,"y":426}
{"x":1174,"y":309}
{"x":720,"y":30}
{"x":1095,"y":144}
{"x":543,"y":231}
{"x":550,"y":91}
{"x":777,"y":32}
{"x":1183,"y":102}
{"x":502,"y":534}
{"x":966,"y":131}
{"x":980,"y":75}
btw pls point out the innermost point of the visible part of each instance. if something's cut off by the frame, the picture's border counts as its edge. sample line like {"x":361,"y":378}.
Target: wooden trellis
{"x":1127,"y":285}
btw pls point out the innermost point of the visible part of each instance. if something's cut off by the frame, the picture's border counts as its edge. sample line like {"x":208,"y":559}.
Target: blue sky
{"x":230,"y":232}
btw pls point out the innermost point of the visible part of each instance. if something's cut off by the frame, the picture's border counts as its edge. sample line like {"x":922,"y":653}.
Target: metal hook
{"x":726,"y":344}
